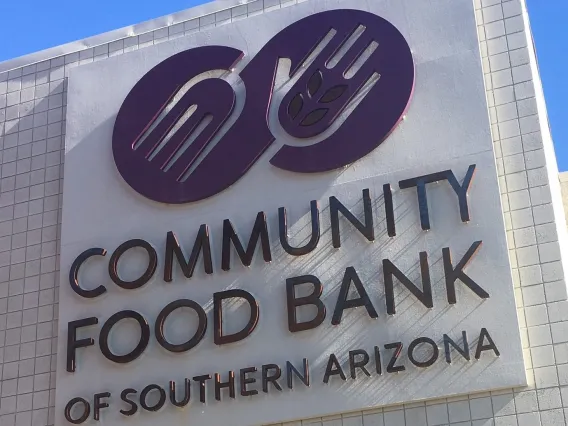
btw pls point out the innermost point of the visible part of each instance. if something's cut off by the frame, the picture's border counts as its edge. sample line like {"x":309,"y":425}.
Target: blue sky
{"x":548,"y":20}
{"x":31,"y":25}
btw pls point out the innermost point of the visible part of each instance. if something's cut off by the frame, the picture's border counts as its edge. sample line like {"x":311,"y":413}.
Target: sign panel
{"x":293,"y":215}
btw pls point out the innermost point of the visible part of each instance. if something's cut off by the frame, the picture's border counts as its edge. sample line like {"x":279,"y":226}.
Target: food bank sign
{"x":250,"y":234}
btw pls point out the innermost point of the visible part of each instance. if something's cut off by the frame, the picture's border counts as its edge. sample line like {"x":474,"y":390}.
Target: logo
{"x":350,"y":67}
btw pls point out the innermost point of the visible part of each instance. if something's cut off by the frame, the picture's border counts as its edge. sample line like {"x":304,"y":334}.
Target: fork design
{"x":198,"y":95}
{"x":170,"y":160}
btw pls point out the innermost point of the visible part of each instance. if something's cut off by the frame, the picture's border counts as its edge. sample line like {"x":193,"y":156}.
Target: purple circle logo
{"x":351,"y":65}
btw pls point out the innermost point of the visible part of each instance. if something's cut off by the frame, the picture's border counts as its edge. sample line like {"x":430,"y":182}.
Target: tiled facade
{"x":564,"y":185}
{"x":32,"y":129}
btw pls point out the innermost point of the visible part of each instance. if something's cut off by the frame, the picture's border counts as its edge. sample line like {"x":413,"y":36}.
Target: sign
{"x":177,"y":164}
{"x":252,"y":235}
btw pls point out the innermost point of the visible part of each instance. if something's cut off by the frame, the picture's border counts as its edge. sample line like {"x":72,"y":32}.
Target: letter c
{"x":74,"y":274}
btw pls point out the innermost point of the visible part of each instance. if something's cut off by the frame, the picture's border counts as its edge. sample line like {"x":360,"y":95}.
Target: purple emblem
{"x":365,"y":61}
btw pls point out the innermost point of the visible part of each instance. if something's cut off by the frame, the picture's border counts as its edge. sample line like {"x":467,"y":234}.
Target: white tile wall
{"x":32,"y":126}
{"x":564,"y":185}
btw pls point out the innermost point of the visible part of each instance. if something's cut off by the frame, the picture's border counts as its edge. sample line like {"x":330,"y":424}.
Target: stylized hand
{"x":324,"y":90}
